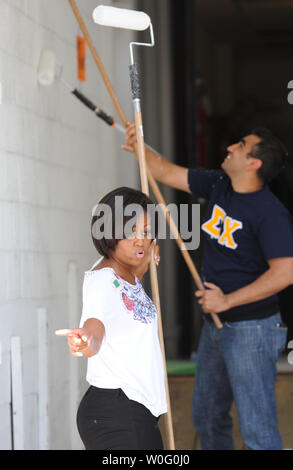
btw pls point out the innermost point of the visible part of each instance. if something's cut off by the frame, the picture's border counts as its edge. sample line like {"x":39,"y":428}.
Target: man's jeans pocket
{"x":279,"y":337}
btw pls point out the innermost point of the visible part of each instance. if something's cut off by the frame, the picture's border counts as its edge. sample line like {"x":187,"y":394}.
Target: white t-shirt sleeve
{"x":97,"y":288}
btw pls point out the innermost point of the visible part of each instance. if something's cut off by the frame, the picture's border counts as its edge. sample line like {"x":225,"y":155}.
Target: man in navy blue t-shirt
{"x":248,"y":259}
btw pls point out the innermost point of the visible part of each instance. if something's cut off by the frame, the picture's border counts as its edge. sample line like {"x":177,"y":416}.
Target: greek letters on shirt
{"x":222,"y":227}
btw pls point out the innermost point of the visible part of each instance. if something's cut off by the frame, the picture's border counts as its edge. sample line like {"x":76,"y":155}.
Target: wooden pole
{"x":169,"y":433}
{"x":154,"y":186}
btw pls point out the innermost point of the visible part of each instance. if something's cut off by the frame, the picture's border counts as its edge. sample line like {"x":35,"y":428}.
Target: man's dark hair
{"x":271,"y":151}
{"x":117,"y":223}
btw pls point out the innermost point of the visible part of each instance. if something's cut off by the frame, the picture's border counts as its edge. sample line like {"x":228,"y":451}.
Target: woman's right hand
{"x":84,"y":341}
{"x":78,"y":340}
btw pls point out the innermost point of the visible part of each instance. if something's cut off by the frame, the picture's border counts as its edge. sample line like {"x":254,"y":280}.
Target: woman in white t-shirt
{"x":119,"y":332}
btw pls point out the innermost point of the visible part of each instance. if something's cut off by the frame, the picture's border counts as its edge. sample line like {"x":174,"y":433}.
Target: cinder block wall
{"x":56,"y":161}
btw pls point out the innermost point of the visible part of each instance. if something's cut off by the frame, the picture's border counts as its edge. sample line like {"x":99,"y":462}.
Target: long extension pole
{"x":153,"y":270}
{"x":154,"y":186}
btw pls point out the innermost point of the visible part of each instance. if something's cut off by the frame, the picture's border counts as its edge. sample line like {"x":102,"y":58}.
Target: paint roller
{"x":138,"y":21}
{"x":125,"y":19}
{"x":121,"y":18}
{"x":48,"y":70}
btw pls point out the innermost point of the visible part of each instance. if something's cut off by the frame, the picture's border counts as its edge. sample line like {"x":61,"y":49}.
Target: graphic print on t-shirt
{"x":222,"y":227}
{"x":136,"y":300}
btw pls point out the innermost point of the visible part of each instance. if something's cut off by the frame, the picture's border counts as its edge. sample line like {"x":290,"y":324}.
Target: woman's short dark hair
{"x":271,"y":151}
{"x":110,"y":217}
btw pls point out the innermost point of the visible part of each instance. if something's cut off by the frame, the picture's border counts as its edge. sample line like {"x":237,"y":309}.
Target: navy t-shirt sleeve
{"x":275,"y":234}
{"x":201,"y":182}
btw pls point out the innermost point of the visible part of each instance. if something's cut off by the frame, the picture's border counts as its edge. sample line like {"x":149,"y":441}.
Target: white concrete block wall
{"x":56,"y":161}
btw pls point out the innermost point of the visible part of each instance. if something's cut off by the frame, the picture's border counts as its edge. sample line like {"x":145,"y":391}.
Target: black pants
{"x":108,"y":420}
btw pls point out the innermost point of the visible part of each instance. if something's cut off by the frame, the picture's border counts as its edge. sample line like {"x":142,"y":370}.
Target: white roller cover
{"x":46,"y":68}
{"x":121,"y":18}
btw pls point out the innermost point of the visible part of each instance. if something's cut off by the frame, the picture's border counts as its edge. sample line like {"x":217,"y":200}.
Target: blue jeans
{"x":238,"y":363}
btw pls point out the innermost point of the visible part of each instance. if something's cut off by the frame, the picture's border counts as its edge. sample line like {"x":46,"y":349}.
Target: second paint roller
{"x":135,"y":20}
{"x":48,"y":70}
{"x":121,"y":18}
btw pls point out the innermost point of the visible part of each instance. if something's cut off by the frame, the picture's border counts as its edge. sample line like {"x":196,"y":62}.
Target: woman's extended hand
{"x":78,"y":340}
{"x":85,"y":341}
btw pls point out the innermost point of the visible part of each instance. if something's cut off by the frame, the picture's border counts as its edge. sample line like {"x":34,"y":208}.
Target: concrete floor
{"x":181,"y":390}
